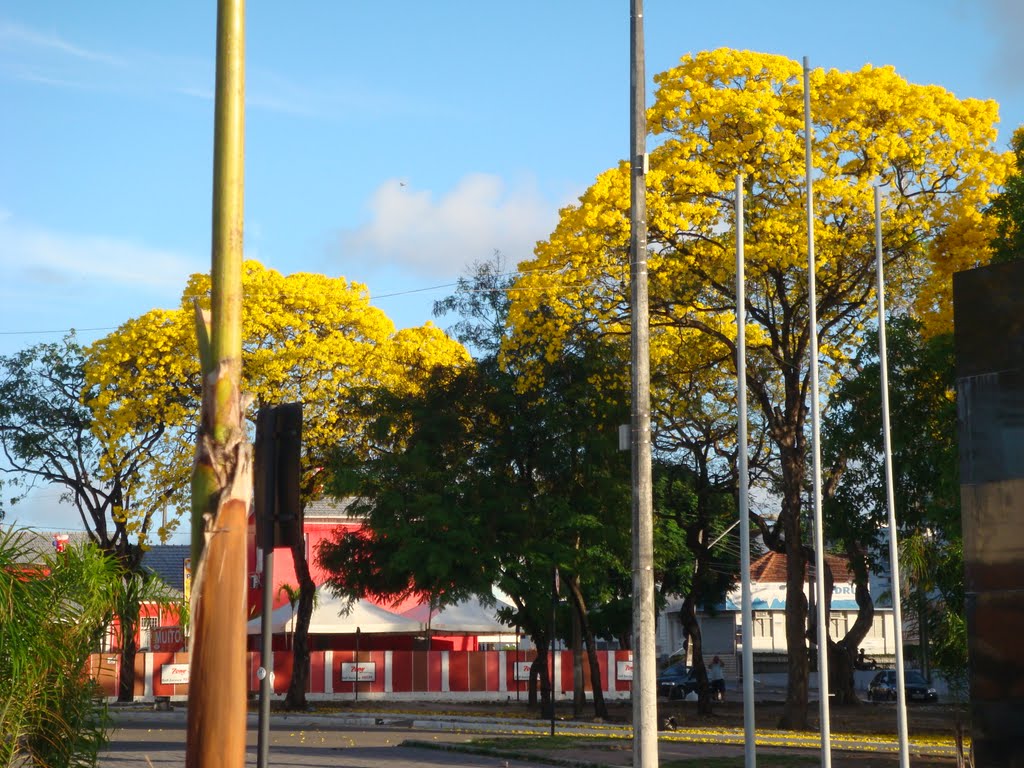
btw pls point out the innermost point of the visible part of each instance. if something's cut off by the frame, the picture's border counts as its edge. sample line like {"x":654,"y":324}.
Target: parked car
{"x":883,"y":686}
{"x":676,"y":681}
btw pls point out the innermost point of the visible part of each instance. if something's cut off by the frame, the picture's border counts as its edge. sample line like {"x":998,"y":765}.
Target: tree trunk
{"x":539,"y":673}
{"x":580,"y":609}
{"x":841,"y":684}
{"x":129,"y":647}
{"x":295,"y":699}
{"x":842,"y":655}
{"x":688,"y":618}
{"x":579,"y":695}
{"x":794,"y":715}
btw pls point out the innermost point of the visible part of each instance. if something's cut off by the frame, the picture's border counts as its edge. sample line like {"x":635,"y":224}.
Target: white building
{"x":721,"y":628}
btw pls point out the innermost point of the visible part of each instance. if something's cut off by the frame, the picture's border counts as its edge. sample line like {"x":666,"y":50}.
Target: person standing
{"x":716,"y":676}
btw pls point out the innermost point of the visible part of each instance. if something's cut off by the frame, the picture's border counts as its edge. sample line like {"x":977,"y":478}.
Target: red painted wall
{"x":427,"y":672}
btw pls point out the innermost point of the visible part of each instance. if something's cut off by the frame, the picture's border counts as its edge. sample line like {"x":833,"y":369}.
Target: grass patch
{"x":551,"y":742}
{"x":738,"y":762}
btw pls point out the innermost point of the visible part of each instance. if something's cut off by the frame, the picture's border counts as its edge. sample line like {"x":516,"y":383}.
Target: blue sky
{"x":392,"y":142}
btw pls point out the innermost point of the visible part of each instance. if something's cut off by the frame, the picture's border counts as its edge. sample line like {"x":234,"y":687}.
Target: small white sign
{"x":359,"y":671}
{"x":624,"y":670}
{"x":523,"y":670}
{"x":174,"y":674}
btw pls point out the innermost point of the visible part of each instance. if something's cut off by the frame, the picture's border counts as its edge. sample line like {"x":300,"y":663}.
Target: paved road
{"x":145,"y":738}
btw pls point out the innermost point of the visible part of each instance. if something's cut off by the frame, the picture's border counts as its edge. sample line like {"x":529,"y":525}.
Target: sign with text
{"x":624,"y":670}
{"x":359,"y":671}
{"x":174,"y":674}
{"x":166,"y":639}
{"x":523,"y":670}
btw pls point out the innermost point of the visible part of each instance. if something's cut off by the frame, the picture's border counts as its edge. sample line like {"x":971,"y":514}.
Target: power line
{"x":59,"y":330}
{"x":372,"y":297}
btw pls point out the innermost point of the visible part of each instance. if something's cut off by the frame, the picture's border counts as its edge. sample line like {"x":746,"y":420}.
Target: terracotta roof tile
{"x":771,"y":568}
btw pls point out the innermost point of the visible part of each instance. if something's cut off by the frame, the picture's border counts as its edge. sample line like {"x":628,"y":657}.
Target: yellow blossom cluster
{"x":306,"y":338}
{"x":726,"y":112}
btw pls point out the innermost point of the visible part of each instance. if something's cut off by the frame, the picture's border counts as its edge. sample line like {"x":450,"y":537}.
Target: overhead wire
{"x":371,"y":296}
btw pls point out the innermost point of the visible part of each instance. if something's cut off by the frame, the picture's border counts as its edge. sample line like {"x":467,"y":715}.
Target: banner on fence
{"x":523,"y":670}
{"x":174,"y":674}
{"x":359,"y":671}
{"x":624,"y":670}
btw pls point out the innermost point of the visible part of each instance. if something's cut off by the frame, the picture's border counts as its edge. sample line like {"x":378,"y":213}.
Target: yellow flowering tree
{"x":725,"y":112}
{"x":306,"y":338}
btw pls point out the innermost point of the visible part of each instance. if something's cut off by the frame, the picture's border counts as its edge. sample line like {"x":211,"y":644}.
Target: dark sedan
{"x":676,"y":681}
{"x":883,"y":686}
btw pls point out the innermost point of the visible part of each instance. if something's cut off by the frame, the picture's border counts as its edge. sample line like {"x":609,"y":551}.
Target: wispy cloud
{"x":47,"y":58}
{"x":440,"y":235}
{"x":17,"y":35}
{"x":35,"y":258}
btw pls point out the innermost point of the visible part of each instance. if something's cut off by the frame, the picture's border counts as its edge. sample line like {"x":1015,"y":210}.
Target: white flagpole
{"x":749,"y":751}
{"x":890,"y":496}
{"x":819,"y":538}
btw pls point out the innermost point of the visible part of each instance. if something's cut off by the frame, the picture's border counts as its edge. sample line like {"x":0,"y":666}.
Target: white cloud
{"x":32,"y":255}
{"x":441,"y":235}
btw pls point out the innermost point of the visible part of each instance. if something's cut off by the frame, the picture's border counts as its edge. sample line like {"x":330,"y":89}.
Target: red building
{"x":329,"y":630}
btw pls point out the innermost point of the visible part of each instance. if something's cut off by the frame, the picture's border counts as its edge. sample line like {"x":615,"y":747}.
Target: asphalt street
{"x":145,"y":738}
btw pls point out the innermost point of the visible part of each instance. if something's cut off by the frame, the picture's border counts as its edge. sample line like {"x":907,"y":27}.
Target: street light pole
{"x":645,"y":710}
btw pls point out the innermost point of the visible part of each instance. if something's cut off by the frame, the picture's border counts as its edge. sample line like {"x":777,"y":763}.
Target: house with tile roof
{"x":721,"y":630}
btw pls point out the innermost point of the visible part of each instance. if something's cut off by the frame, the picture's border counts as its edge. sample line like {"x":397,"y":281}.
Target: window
{"x":146,"y":626}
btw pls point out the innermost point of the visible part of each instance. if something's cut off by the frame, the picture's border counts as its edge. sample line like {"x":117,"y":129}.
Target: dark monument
{"x":988,"y":307}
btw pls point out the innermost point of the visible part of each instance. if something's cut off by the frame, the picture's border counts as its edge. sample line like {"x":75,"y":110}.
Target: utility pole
{"x":645,"y":708}
{"x":222,"y":478}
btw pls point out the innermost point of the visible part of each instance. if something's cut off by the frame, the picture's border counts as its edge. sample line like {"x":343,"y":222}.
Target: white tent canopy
{"x":469,"y":617}
{"x":333,"y":616}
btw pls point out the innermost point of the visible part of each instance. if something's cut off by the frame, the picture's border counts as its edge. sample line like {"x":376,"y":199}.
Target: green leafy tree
{"x":697,"y":553}
{"x":1008,"y":208}
{"x":926,"y":482}
{"x":473,"y":483}
{"x":53,"y":431}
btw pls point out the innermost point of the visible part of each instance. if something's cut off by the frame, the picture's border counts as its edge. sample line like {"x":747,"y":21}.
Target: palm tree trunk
{"x":222,"y":476}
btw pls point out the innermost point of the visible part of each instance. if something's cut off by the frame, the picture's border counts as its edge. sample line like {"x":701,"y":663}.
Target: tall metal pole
{"x":222,"y":474}
{"x":266,"y":655}
{"x":890,"y":496}
{"x":266,"y":422}
{"x":819,"y":538}
{"x":746,"y":607}
{"x":554,"y":626}
{"x":645,"y":709}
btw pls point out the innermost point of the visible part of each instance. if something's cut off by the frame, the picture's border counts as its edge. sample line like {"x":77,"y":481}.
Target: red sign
{"x":166,"y":639}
